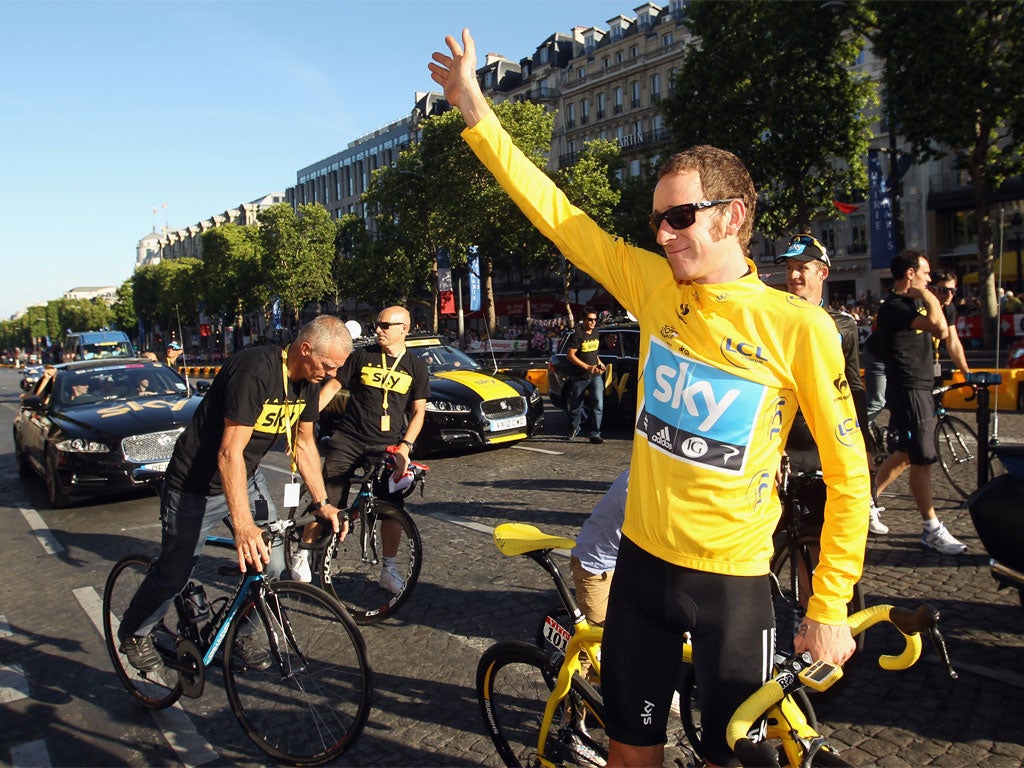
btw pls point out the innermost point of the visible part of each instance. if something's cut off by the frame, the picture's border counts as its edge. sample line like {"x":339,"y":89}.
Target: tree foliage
{"x":772,"y":83}
{"x":954,"y":77}
{"x":233,"y":281}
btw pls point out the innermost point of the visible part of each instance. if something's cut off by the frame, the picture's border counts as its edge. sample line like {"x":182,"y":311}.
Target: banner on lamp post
{"x":474,"y":279}
{"x":445,"y":295}
{"x":883,"y":235}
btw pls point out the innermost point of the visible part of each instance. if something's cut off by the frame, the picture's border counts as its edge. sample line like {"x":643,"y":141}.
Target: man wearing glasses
{"x":944,"y":286}
{"x":388,"y":389}
{"x":725,"y":361}
{"x":587,"y":375}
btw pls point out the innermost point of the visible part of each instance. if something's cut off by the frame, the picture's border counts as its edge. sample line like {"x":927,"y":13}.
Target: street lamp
{"x":1017,"y":230}
{"x":527,"y":279}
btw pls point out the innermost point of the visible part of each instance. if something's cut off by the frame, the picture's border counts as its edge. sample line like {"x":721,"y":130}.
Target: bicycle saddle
{"x":520,"y":538}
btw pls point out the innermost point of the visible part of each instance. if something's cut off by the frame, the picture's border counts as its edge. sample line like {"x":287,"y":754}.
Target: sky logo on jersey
{"x":395,"y":380}
{"x":696,"y":412}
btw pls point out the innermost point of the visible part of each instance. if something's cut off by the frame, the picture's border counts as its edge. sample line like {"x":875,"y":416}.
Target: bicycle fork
{"x":276,"y":623}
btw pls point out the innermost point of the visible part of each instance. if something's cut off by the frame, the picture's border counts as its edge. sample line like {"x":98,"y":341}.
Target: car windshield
{"x":123,"y":382}
{"x":102,"y":349}
{"x":440,"y":359}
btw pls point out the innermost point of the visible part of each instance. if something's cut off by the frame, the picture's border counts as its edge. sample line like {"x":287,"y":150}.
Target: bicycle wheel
{"x":956,"y":444}
{"x":313,"y":707}
{"x":155,"y":690}
{"x":352,"y":568}
{"x":689,"y":710}
{"x":789,"y":611}
{"x":513,"y":682}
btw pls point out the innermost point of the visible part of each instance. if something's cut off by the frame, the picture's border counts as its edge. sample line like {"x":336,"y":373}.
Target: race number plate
{"x":556,"y":634}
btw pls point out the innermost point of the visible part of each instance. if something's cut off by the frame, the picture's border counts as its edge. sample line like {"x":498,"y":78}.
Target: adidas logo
{"x":662,"y":437}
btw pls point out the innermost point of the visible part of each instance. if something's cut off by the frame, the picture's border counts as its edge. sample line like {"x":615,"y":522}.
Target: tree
{"x":954,"y":78}
{"x":233,"y":282}
{"x":168,"y":293}
{"x":297,"y":250}
{"x":124,"y":308}
{"x":773,"y":83}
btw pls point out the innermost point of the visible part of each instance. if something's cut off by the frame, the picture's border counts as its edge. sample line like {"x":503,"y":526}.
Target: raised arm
{"x":456,"y":74}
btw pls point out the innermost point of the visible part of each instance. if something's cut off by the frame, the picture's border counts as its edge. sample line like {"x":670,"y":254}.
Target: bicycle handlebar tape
{"x":759,"y":702}
{"x":760,"y":755}
{"x":876,"y":614}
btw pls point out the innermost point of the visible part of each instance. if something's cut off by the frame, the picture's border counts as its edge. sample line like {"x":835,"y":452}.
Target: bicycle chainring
{"x":191,"y":672}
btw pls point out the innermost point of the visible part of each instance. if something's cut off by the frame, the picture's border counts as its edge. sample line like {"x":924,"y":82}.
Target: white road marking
{"x":537,"y":450}
{"x":175,"y":723}
{"x":13,"y":684}
{"x":42,"y":533}
{"x":32,"y":754}
{"x":5,"y":628}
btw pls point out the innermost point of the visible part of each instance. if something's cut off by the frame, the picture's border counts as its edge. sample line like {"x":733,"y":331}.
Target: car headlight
{"x":80,"y":445}
{"x":445,"y":406}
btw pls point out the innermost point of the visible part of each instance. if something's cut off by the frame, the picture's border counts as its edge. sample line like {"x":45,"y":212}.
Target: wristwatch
{"x":322,"y":504}
{"x":406,"y":442}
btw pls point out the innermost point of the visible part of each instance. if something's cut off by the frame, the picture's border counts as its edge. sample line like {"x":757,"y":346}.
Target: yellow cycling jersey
{"x":724,"y":368}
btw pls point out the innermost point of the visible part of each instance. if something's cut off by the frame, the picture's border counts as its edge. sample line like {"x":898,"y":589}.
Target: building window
{"x":828,"y":239}
{"x":543,"y":56}
{"x":602,"y":105}
{"x":634,"y":168}
{"x":667,"y":40}
{"x":634,"y":52}
{"x":655,"y":88}
{"x":618,"y":57}
{"x":584,"y":111}
{"x":581,"y":73}
{"x":634,"y":94}
{"x":858,"y":235}
{"x":570,"y":115}
{"x":607,"y":62}
{"x":617,"y":100}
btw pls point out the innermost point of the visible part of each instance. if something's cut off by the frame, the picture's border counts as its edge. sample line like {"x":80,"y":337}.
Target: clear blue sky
{"x":109,"y":109}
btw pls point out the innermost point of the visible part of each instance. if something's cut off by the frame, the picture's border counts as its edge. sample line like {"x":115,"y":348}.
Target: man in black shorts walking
{"x":907,"y":321}
{"x":258,"y":394}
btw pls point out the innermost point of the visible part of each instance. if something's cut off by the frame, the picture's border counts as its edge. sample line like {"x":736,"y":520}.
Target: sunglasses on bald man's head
{"x":683,"y":216}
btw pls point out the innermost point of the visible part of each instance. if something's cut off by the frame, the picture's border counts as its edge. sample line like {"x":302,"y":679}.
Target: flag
{"x":883,"y":235}
{"x":445,"y":295}
{"x":474,"y":279}
{"x":846,"y":208}
{"x":163,"y":205}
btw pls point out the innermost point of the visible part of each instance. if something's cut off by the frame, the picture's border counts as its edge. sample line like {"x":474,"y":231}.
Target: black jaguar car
{"x":469,"y":406}
{"x":101,"y":426}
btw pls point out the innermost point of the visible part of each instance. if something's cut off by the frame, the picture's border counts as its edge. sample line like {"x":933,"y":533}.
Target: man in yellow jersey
{"x":726,"y":361}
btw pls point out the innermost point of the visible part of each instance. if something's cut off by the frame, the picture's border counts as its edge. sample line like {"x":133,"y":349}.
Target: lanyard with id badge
{"x":291,"y":489}
{"x":385,"y":417}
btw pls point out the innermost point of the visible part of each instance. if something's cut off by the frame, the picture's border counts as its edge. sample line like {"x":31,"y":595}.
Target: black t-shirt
{"x":586,"y":346}
{"x":367,"y":375}
{"x":249,"y":390}
{"x":907,"y":352}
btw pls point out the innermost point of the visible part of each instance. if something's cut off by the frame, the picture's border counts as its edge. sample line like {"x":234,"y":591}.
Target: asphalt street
{"x":63,"y":706}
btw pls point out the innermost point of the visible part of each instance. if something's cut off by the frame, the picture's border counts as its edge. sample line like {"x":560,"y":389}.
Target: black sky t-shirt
{"x":586,"y":346}
{"x":249,"y":390}
{"x":366,"y":375}
{"x":908,"y":352}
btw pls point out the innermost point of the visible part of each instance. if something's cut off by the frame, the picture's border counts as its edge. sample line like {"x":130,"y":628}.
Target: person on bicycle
{"x":807,"y":268}
{"x":944,"y":286}
{"x":388,"y":389}
{"x":258,"y":394}
{"x":908,"y":320}
{"x":725,"y":363}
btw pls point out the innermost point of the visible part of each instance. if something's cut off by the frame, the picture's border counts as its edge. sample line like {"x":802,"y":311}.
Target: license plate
{"x":160,"y":466}
{"x":512,"y":422}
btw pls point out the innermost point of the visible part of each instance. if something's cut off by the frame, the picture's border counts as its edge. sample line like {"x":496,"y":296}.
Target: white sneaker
{"x":875,"y":524}
{"x":943,"y":541}
{"x":391,"y":581}
{"x":300,"y":569}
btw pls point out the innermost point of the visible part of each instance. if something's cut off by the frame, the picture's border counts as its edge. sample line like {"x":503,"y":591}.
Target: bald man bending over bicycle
{"x":726,"y":361}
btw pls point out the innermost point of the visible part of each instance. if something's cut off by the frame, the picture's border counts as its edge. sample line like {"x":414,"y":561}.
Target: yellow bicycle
{"x":539,"y":710}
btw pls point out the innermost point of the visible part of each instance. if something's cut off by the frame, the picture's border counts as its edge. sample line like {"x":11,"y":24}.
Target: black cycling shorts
{"x":652,"y":604}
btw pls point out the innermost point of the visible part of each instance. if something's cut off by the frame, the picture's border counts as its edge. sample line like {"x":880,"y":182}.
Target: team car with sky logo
{"x":469,"y":406}
{"x":101,"y":426}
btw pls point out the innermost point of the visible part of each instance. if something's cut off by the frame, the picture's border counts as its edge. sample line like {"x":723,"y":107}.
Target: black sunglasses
{"x":944,"y":290}
{"x":591,"y":319}
{"x":384,"y":324}
{"x":683,"y":216}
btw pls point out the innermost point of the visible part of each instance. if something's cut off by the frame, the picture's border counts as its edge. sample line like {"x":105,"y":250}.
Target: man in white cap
{"x":173,"y":353}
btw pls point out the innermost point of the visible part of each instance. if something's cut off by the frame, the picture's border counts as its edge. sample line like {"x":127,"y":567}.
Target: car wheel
{"x":54,"y":493}
{"x":24,"y":467}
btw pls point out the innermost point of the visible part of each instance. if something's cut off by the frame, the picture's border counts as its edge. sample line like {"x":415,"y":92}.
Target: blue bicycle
{"x":306,"y":707}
